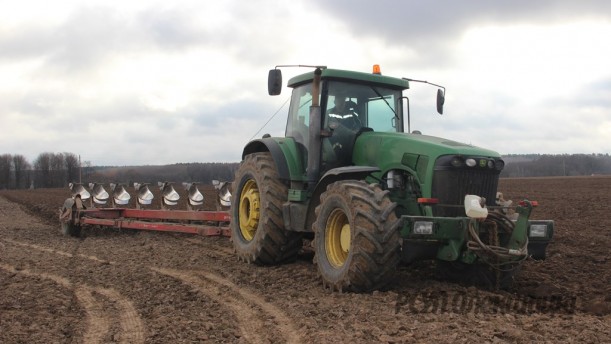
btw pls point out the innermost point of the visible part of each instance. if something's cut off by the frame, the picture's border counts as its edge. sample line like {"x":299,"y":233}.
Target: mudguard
{"x":285,"y":153}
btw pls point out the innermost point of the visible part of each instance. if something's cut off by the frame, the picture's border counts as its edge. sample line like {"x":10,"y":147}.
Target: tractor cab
{"x":351,"y":103}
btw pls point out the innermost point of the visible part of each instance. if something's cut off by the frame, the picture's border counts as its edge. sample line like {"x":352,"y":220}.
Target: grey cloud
{"x":89,"y":37}
{"x":430,"y":27}
{"x":30,"y":42}
{"x":92,"y":35}
{"x":77,"y":52}
{"x":257,"y":33}
{"x":245,"y":110}
{"x":173,"y":29}
{"x":597,"y":94}
{"x":50,"y":103}
{"x":81,"y":42}
{"x":423,"y":19}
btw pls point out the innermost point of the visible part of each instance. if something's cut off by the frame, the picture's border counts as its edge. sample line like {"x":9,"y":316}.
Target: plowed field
{"x":142,"y":287}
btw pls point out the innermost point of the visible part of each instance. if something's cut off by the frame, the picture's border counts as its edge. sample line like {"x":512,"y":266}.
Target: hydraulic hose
{"x":493,"y":254}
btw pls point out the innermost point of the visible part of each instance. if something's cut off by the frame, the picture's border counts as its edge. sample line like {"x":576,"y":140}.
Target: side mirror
{"x":274,"y":82}
{"x":441,"y":98}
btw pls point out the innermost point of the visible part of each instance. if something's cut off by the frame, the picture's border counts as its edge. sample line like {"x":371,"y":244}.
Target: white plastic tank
{"x":473,"y":207}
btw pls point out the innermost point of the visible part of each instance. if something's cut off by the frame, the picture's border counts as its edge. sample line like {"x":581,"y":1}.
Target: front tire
{"x":357,"y":237}
{"x":257,"y":226}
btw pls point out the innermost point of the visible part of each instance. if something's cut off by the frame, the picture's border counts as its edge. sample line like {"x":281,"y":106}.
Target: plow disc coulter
{"x":88,"y":208}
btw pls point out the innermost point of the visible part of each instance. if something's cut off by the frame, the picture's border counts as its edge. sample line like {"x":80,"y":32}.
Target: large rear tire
{"x":357,"y":237}
{"x":257,"y":226}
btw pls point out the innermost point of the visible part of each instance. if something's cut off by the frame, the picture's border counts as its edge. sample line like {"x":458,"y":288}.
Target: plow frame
{"x":206,"y":223}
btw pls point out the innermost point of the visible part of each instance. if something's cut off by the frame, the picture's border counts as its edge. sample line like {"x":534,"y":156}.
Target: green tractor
{"x":369,"y":196}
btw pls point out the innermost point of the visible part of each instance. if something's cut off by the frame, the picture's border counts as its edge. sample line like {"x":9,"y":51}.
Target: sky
{"x":123,"y":82}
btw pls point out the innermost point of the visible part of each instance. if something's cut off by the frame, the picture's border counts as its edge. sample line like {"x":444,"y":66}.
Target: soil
{"x":146,"y":287}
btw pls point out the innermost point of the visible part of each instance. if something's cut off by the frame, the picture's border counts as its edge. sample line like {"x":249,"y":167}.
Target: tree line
{"x":545,"y":165}
{"x":203,"y":173}
{"x":57,"y":170}
{"x":48,"y":170}
{"x":15,"y":171}
{"x":53,"y":170}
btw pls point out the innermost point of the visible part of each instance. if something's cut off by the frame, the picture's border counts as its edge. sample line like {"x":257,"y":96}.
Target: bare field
{"x":139,"y":287}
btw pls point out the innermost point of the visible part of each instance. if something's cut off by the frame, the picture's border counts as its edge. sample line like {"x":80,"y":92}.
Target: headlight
{"x":457,"y":161}
{"x":423,"y":227}
{"x":500,"y":164}
{"x":460,"y":161}
{"x":538,"y":231}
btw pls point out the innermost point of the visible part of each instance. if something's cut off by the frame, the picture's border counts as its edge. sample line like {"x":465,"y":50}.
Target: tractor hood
{"x":414,"y":152}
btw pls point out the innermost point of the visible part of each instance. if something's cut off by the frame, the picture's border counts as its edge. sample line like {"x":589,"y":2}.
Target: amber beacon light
{"x":376,"y":69}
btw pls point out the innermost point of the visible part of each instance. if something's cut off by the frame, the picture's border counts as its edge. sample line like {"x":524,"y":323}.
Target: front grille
{"x":450,"y":185}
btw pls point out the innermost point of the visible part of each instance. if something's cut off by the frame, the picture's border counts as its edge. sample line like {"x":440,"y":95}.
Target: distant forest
{"x":57,"y":170}
{"x":203,"y":173}
{"x":543,"y":165}
{"x":53,"y":170}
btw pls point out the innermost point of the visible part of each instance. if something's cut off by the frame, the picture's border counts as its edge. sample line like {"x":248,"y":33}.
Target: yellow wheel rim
{"x":249,"y":210}
{"x":337,"y":238}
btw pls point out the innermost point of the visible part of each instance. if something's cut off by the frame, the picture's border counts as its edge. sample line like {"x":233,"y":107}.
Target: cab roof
{"x":338,"y":74}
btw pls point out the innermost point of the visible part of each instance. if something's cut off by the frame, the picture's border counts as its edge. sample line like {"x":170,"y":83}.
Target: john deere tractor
{"x":370,"y":196}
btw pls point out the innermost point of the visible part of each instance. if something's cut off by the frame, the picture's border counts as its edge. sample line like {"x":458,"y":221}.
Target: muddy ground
{"x":141,"y":287}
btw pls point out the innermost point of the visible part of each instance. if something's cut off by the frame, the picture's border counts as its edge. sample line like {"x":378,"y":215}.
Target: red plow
{"x":88,"y":207}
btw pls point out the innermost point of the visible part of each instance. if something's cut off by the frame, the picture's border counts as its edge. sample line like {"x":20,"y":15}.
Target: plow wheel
{"x":257,"y":227}
{"x":68,"y":228}
{"x":357,"y":237}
